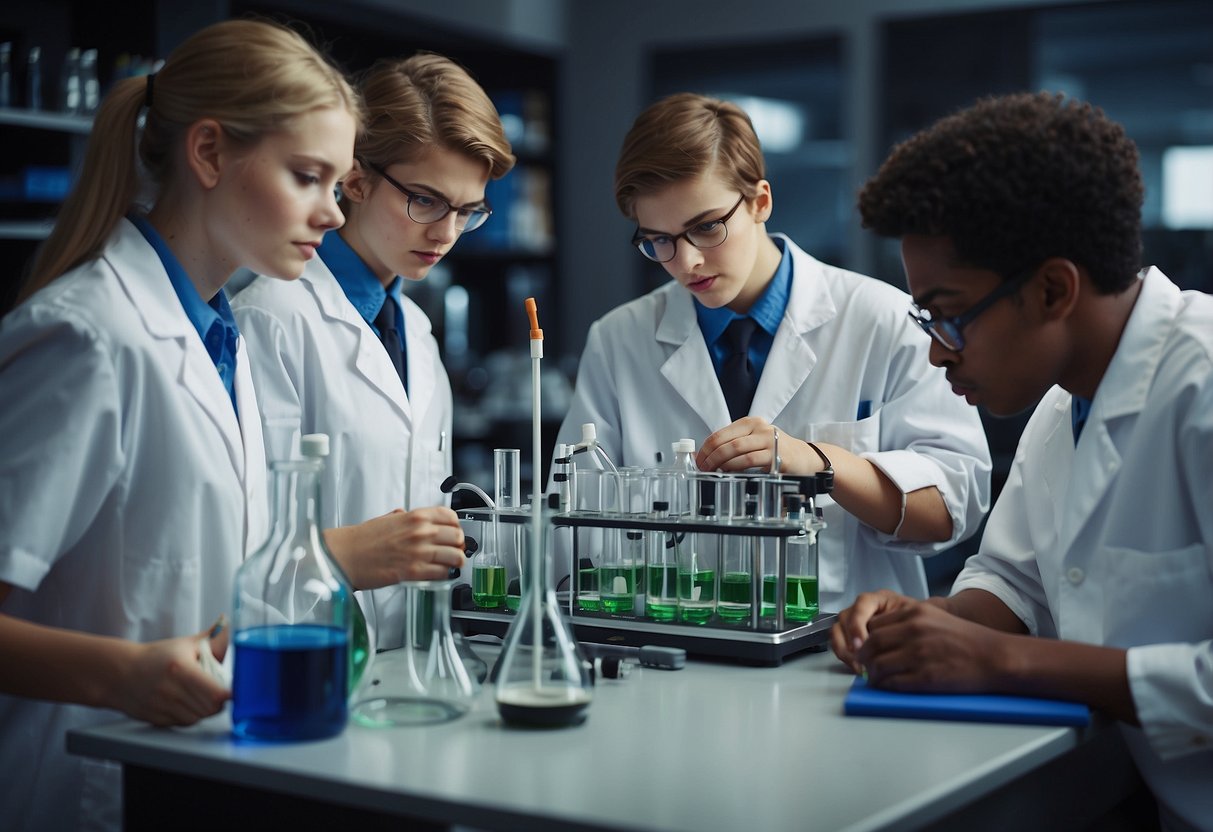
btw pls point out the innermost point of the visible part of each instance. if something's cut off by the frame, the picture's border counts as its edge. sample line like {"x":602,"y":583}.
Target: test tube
{"x":593,"y":494}
{"x":698,"y":555}
{"x":661,"y":549}
{"x":505,"y":477}
{"x":740,"y":557}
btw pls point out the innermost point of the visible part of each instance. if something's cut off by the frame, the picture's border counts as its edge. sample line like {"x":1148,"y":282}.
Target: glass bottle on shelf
{"x":69,"y":83}
{"x":90,"y":86}
{"x":541,"y":675}
{"x":292,"y":618}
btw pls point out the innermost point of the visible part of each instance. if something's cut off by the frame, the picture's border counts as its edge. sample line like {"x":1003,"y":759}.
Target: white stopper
{"x":314,"y":445}
{"x":684,"y":446}
{"x":589,"y":434}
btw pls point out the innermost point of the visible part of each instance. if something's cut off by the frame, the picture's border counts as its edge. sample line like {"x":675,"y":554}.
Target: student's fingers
{"x":439,"y":515}
{"x":714,"y":449}
{"x":747,"y":443}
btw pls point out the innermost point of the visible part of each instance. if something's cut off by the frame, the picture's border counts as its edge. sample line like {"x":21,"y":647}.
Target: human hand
{"x":750,"y":443}
{"x":165,"y":683}
{"x":918,"y":645}
{"x":419,"y":545}
{"x":850,"y":631}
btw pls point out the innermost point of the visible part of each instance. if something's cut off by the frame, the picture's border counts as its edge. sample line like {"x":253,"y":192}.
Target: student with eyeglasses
{"x":344,"y":352}
{"x":754,"y":336}
{"x":1023,"y":254}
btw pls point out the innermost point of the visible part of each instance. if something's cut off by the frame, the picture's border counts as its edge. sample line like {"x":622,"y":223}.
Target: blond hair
{"x":429,"y":101}
{"x":251,"y":76}
{"x":684,"y":137}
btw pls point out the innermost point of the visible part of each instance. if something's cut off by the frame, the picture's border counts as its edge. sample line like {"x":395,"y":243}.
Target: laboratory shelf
{"x":46,"y":120}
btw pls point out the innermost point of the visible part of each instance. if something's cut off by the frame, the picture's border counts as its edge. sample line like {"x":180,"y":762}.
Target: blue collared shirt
{"x":212,"y":319}
{"x":767,"y":312}
{"x":362,"y":288}
{"x":1080,"y":409}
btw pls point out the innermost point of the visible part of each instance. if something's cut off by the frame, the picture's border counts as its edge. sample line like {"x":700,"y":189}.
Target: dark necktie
{"x":737,"y":372}
{"x":385,"y":322}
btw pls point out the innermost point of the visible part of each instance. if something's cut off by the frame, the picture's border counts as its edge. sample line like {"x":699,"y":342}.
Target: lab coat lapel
{"x":1120,"y":398}
{"x":689,"y":368}
{"x":255,"y":480}
{"x":421,"y":368}
{"x":791,"y":358}
{"x":370,"y":359}
{"x":143,"y":277}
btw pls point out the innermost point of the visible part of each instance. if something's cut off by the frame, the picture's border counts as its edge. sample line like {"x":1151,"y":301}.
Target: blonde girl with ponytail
{"x":132,"y":467}
{"x":432,"y":143}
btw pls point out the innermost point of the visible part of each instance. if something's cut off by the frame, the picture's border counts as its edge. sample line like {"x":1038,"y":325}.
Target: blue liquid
{"x":289,"y":682}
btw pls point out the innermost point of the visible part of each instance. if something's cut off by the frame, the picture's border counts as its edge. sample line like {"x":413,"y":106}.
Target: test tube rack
{"x":759,"y":639}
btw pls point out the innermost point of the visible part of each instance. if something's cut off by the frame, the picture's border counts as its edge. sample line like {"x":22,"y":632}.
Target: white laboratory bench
{"x":714,"y":746}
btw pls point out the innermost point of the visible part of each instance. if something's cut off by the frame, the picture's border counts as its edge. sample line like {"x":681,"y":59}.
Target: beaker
{"x":425,"y":680}
{"x":620,"y":576}
{"x":541,"y":676}
{"x":292,"y":621}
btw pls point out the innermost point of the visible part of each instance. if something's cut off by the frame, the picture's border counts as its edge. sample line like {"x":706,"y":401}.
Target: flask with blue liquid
{"x":293,"y":617}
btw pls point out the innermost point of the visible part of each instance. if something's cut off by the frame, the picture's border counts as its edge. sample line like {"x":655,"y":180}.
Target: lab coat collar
{"x":1121,"y":395}
{"x":142,"y":275}
{"x":810,"y":305}
{"x":370,"y":359}
{"x":689,"y":369}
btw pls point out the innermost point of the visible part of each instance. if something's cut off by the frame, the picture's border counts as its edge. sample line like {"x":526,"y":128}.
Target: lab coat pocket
{"x":1153,"y":597}
{"x":858,"y":437}
{"x":159,"y":593}
{"x":435,"y":470}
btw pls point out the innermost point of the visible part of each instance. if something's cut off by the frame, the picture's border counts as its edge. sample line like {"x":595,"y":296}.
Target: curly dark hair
{"x":1014,"y":180}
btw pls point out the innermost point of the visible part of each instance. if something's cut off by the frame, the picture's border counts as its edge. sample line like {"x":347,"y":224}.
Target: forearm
{"x":867,"y":493}
{"x":1097,"y":676}
{"x":343,"y":544}
{"x":982,"y":607}
{"x":62,"y":665}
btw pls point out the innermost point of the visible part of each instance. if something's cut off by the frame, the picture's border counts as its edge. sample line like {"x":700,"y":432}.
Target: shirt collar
{"x":201,"y":313}
{"x":767,"y":311}
{"x":355,"y":278}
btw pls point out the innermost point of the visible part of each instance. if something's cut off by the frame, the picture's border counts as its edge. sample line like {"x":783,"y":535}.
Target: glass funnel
{"x":541,"y":675}
{"x":425,"y":680}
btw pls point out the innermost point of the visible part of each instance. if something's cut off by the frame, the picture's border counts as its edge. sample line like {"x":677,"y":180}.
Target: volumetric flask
{"x":426,"y":680}
{"x":541,"y":675}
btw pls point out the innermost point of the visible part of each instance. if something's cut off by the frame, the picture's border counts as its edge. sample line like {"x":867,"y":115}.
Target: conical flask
{"x":292,"y":620}
{"x":426,"y":680}
{"x":541,"y":675}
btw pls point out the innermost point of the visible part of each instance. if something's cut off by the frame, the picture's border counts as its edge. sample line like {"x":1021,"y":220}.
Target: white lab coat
{"x":320,"y":368}
{"x":129,"y":495}
{"x":1111,"y":542}
{"x":646,"y":379}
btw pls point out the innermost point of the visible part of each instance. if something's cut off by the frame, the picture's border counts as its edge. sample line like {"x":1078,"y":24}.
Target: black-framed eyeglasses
{"x":950,"y":331}
{"x":428,"y":208}
{"x":707,"y":234}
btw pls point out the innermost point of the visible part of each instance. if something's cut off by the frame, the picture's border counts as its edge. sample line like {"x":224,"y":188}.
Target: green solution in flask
{"x":488,"y":586}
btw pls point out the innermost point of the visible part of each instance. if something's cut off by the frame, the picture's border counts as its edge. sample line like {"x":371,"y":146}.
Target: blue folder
{"x":862,"y":700}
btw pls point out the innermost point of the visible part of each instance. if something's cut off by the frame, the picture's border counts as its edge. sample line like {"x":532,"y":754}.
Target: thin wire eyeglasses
{"x":708,"y":234}
{"x":428,"y":208}
{"x":950,"y":331}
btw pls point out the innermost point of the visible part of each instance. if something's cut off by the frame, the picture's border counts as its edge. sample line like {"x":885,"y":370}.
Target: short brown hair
{"x":429,"y":101}
{"x":683,"y":137}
